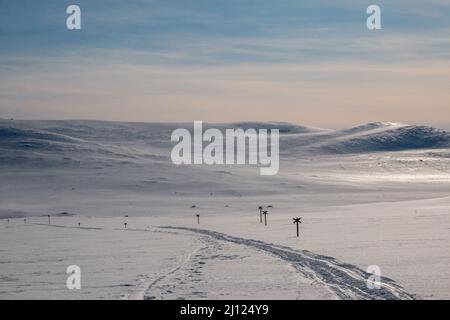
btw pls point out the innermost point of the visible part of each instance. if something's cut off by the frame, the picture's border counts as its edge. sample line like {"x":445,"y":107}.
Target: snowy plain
{"x":375,"y":194}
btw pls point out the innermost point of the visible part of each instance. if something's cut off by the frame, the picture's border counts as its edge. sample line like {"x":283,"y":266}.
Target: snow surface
{"x":376,"y":194}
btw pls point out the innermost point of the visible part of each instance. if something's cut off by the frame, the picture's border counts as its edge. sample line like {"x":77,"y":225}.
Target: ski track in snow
{"x":186,"y":273}
{"x":158,"y":291}
{"x":346,"y":281}
{"x":61,"y":226}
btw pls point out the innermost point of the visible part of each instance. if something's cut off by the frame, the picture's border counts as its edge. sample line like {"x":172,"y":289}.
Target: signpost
{"x":297,"y":221}
{"x":260,"y":214}
{"x":265,"y":217}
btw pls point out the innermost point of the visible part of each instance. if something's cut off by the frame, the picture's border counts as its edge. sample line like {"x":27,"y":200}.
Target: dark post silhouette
{"x":297,"y":221}
{"x":49,"y":222}
{"x":79,"y":224}
{"x":25,"y":221}
{"x":125,"y":224}
{"x":198,"y":218}
{"x":260,"y":214}
{"x":265,"y":217}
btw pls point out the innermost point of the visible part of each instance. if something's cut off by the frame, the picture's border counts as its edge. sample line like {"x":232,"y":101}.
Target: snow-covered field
{"x":376,"y":194}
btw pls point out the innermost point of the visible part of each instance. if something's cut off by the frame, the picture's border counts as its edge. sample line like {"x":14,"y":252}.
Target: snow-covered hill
{"x":375,"y":194}
{"x":116,"y":141}
{"x":375,"y":137}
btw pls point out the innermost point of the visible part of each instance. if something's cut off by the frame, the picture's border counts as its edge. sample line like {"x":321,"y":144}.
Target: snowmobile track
{"x":346,"y":281}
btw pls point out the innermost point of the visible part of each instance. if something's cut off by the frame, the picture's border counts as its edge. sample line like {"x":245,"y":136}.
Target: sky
{"x":311,"y":62}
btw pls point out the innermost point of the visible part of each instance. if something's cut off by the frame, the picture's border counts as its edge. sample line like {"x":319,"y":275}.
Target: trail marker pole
{"x":125,"y":224}
{"x":49,"y":222}
{"x":260,"y":214}
{"x":297,"y":221}
{"x":79,"y":224}
{"x":198,"y":218}
{"x":265,"y":217}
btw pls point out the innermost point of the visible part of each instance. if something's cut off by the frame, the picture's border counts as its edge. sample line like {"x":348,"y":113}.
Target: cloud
{"x":312,"y":62}
{"x":217,"y":31}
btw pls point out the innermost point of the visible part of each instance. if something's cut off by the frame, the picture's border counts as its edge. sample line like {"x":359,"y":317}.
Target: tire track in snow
{"x":346,"y":281}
